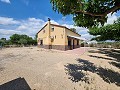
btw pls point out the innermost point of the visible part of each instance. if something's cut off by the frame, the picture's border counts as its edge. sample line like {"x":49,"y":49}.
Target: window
{"x":43,"y":31}
{"x":61,"y":35}
{"x":41,"y":42}
{"x":52,"y":28}
{"x":55,"y":36}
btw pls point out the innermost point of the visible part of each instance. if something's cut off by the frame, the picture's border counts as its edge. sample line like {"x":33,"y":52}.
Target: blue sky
{"x":28,"y":17}
{"x":22,"y":9}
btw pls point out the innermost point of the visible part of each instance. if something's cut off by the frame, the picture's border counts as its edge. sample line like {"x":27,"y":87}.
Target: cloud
{"x":6,"y":1}
{"x":22,"y":27}
{"x":82,"y":31}
{"x":31,"y":26}
{"x":7,"y":21}
{"x":54,"y":22}
{"x":8,"y":32}
{"x":111,"y":18}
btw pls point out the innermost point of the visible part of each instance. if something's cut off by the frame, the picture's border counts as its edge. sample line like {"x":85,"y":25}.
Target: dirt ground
{"x":32,"y":68}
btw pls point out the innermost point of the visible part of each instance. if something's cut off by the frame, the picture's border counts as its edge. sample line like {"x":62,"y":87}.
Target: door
{"x":50,"y":46}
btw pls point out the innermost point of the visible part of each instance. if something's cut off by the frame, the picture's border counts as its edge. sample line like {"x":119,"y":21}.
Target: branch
{"x":113,"y":9}
{"x":89,"y":13}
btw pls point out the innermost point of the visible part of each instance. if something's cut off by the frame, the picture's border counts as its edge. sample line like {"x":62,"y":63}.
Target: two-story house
{"x":59,"y":37}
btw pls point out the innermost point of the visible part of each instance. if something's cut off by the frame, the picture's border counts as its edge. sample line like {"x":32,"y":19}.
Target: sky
{"x":29,"y":16}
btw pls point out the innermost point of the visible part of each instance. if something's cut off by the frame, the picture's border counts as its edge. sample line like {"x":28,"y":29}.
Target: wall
{"x":59,"y":35}
{"x":68,"y":32}
{"x":42,"y":35}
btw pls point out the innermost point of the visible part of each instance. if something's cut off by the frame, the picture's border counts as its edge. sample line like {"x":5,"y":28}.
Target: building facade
{"x":53,"y":36}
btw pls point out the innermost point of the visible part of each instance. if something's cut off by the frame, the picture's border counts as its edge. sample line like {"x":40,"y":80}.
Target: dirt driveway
{"x":39,"y":69}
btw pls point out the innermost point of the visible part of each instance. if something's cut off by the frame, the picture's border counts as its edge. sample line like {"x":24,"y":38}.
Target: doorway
{"x":69,"y":44}
{"x":73,"y":44}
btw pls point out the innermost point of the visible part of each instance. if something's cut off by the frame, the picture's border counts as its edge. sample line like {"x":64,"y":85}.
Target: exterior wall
{"x":58,"y":34}
{"x":43,"y":36}
{"x":57,"y":38}
{"x":67,"y":33}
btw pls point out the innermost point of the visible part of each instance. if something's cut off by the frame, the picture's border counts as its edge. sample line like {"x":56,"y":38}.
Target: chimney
{"x":48,"y":34}
{"x":49,"y":19}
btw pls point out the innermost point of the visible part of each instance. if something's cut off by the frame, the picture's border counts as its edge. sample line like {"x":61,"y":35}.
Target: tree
{"x":86,"y":13}
{"x":73,"y":29}
{"x":21,"y":39}
{"x":15,"y":38}
{"x":108,"y":32}
{"x":3,"y":41}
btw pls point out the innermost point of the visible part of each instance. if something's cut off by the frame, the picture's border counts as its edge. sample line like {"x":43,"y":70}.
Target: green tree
{"x":3,"y":41}
{"x":35,"y":38}
{"x":108,"y":32}
{"x":73,"y":29}
{"x":15,"y":38}
{"x":86,"y":13}
{"x":22,"y":41}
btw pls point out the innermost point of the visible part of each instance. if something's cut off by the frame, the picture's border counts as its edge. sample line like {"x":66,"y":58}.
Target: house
{"x":59,"y":37}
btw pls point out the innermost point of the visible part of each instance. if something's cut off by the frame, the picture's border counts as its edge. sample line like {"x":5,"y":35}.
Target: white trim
{"x":77,"y":37}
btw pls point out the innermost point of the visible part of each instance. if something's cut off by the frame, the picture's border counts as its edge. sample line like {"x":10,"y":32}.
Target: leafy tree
{"x":3,"y":41}
{"x":73,"y":29}
{"x":86,"y":13}
{"x":15,"y":38}
{"x":22,"y":41}
{"x":108,"y":32}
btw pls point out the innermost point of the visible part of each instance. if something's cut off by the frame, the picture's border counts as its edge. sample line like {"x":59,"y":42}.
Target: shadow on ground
{"x":110,"y":53}
{"x":76,"y":74}
{"x":16,"y":84}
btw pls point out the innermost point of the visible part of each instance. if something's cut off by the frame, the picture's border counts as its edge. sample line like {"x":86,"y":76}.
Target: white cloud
{"x":87,"y":36}
{"x":111,"y":18}
{"x":31,"y":26}
{"x":6,"y":1}
{"x":82,"y":31}
{"x":22,"y":27}
{"x":54,"y":22}
{"x":8,"y":32}
{"x":7,"y":21}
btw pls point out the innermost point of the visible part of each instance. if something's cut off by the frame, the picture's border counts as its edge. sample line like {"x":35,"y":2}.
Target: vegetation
{"x":109,"y":45}
{"x":17,"y":39}
{"x":91,"y":14}
{"x":86,"y":13}
{"x":108,"y":32}
{"x":73,"y":29}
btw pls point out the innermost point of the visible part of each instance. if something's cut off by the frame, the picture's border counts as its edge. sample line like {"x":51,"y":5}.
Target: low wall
{"x":58,"y":47}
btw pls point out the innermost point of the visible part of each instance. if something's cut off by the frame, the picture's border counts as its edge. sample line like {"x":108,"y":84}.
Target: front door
{"x":50,"y":46}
